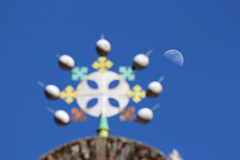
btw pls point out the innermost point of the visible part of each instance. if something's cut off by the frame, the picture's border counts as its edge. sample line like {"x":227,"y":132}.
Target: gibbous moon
{"x":175,"y":56}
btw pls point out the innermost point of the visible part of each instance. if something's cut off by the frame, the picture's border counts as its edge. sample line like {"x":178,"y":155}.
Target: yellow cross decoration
{"x":137,"y":94}
{"x":102,"y":64}
{"x":68,"y":94}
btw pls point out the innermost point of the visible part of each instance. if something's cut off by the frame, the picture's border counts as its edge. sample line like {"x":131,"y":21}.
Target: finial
{"x":103,"y":78}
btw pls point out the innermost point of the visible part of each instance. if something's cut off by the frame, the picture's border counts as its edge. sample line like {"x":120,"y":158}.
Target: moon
{"x":175,"y":56}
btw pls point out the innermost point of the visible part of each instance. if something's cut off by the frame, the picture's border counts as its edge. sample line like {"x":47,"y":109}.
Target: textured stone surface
{"x":98,"y":148}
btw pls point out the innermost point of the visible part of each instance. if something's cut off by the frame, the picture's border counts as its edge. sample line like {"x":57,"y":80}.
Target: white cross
{"x":120,"y":93}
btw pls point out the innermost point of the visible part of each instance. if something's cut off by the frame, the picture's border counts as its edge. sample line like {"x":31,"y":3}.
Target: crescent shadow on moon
{"x":175,"y":56}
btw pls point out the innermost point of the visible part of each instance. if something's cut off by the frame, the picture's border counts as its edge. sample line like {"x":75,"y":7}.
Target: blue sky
{"x":199,"y":114}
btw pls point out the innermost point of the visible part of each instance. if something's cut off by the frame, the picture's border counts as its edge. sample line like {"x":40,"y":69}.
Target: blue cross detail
{"x":79,"y":73}
{"x":127,"y":73}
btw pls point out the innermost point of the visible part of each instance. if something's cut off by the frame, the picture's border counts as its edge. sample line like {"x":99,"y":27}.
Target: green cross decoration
{"x":127,"y":73}
{"x":79,"y":73}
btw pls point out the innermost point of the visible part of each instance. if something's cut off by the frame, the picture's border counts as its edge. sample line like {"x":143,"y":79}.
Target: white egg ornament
{"x":66,"y":62}
{"x":144,"y":115}
{"x":154,"y":89}
{"x":140,"y":61}
{"x":52,"y":92}
{"x":103,"y":47}
{"x":61,"y":117}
